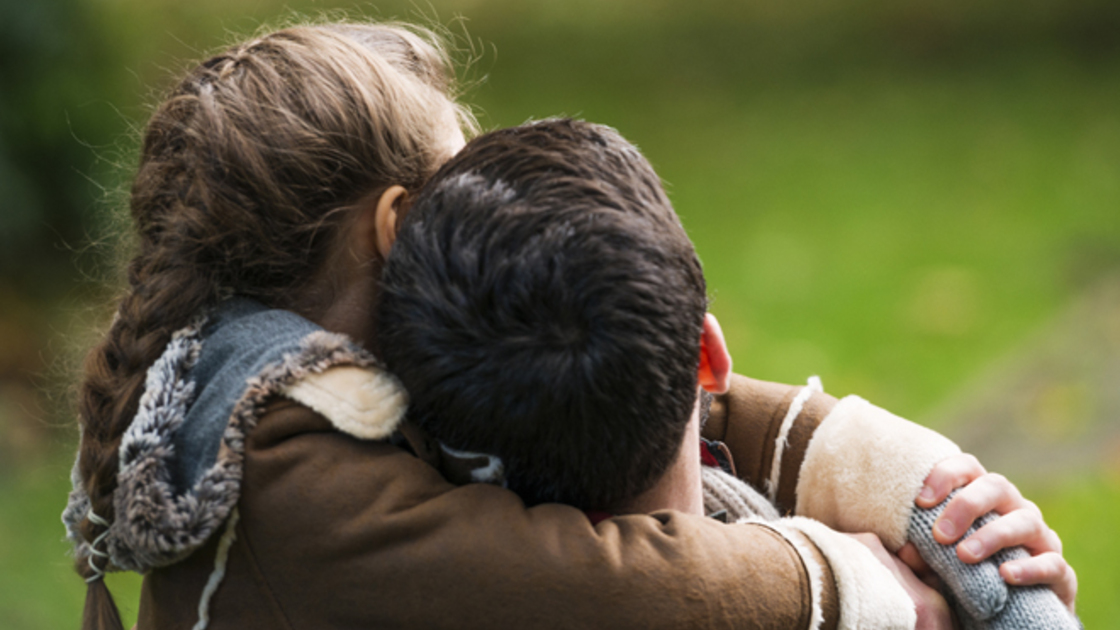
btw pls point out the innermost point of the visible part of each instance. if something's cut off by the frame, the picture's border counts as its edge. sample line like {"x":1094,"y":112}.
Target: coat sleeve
{"x":345,"y":533}
{"x":767,"y":433}
{"x":851,"y":465}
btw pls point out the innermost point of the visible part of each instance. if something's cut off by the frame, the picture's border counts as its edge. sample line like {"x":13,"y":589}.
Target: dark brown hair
{"x":246,"y":173}
{"x":544,"y":301}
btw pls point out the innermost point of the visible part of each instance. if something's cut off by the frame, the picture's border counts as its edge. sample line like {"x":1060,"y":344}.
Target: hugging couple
{"x":364,"y":376}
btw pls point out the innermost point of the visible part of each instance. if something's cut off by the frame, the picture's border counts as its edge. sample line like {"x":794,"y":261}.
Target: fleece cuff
{"x":870,"y":596}
{"x":808,"y":560}
{"x":863,"y":469}
{"x":367,"y":403}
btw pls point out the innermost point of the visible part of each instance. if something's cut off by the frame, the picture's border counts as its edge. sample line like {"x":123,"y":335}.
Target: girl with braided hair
{"x":244,"y":449}
{"x":247,"y":173}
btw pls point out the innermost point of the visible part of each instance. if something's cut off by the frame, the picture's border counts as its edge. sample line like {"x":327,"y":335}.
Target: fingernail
{"x":1015,"y":573}
{"x":946,"y":527}
{"x":973,"y":547}
{"x":926,"y":494}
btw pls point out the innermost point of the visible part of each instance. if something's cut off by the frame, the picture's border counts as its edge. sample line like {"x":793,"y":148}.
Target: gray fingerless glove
{"x":981,"y":597}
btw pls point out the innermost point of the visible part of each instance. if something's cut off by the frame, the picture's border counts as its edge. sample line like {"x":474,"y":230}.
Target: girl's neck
{"x":343,"y":299}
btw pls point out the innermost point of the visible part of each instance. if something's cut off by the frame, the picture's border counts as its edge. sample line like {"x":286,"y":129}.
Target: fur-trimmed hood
{"x":181,"y":458}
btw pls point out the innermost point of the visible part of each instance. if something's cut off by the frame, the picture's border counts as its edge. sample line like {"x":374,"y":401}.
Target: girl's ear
{"x":385,"y":218}
{"x":715,"y":360}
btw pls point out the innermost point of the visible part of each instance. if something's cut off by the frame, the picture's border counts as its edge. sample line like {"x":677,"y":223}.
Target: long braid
{"x":115,"y":380}
{"x":246,"y":172}
{"x":165,"y":291}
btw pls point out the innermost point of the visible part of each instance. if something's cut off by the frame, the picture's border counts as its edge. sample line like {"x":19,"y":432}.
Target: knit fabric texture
{"x":977,"y":591}
{"x":725,"y":492}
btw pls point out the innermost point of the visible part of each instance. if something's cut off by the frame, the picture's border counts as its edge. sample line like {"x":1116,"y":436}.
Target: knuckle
{"x":968,"y":502}
{"x":957,"y":470}
{"x":999,"y":532}
{"x":1002,"y":485}
{"x":1032,"y":528}
{"x":1048,"y":568}
{"x":972,"y":463}
{"x":1040,"y":530}
{"x":1000,"y":489}
{"x":1033,"y":507}
{"x":997,"y":479}
{"x":1055,"y":541}
{"x":1056,"y":566}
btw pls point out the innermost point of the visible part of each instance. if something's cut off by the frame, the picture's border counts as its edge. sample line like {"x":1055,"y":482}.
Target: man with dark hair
{"x":548,"y":311}
{"x":551,"y":308}
{"x":547,"y":307}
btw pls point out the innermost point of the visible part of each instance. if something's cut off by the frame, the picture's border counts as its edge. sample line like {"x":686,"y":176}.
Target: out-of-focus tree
{"x":52,"y":114}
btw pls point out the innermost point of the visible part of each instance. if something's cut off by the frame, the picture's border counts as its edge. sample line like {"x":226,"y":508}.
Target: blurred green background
{"x":918,"y":201}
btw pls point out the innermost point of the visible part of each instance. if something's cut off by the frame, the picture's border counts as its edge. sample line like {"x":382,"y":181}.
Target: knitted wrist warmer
{"x":977,"y":591}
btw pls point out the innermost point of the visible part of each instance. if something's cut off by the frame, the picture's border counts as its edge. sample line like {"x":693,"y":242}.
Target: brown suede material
{"x":830,"y":598}
{"x":748,"y":418}
{"x":816,"y":409}
{"x":341,"y":533}
{"x":169,"y":596}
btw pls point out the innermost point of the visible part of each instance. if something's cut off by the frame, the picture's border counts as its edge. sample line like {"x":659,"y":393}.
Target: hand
{"x":933,"y":611}
{"x":1020,"y":523}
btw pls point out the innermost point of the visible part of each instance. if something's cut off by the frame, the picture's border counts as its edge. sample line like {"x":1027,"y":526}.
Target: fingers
{"x":872,"y":542}
{"x":1049,"y":568}
{"x":1022,"y":527}
{"x":931,"y":608}
{"x":990,"y":492}
{"x":1020,"y":523}
{"x":951,"y":473}
{"x":908,"y":553}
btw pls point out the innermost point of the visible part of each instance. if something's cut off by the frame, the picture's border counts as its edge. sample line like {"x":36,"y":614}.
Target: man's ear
{"x":715,"y":360}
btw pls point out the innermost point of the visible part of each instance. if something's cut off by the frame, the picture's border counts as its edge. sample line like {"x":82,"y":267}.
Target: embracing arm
{"x":335,"y":532}
{"x":821,"y":457}
{"x":349,"y":533}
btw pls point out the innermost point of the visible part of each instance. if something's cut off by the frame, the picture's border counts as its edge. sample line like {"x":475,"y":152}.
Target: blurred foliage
{"x":891,"y":195}
{"x":52,"y":68}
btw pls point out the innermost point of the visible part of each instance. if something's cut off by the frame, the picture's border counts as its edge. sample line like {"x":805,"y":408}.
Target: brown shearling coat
{"x":336,"y":532}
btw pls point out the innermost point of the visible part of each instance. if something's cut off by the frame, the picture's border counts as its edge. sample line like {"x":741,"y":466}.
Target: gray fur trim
{"x":160,"y":411}
{"x":154,"y":527}
{"x":76,"y":507}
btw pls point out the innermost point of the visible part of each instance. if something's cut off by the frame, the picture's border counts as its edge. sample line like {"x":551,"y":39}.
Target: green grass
{"x":38,"y":586}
